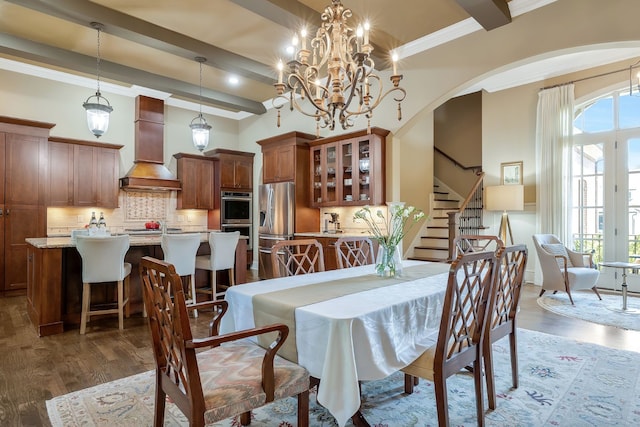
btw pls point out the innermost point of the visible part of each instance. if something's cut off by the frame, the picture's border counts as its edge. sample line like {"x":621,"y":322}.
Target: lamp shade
{"x":504,"y":198}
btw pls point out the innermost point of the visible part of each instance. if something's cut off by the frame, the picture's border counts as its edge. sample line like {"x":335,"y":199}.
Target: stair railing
{"x":467,"y":219}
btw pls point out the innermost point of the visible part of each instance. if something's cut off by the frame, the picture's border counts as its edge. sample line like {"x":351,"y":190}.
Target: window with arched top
{"x":605,"y":186}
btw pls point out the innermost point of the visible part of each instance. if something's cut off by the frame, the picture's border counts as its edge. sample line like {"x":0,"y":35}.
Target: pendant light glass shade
{"x":97,"y":106}
{"x":200,"y":132}
{"x":199,"y":127}
{"x":97,"y":114}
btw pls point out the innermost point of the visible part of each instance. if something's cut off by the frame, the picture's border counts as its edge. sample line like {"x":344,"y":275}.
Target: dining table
{"x":347,"y":325}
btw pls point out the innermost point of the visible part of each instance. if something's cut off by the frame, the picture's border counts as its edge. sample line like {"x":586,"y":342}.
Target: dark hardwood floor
{"x":33,"y":370}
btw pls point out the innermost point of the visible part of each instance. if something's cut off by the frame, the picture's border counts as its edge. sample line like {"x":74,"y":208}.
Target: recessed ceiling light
{"x":233,"y":80}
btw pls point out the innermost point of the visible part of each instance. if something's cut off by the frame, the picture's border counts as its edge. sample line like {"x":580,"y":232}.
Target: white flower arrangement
{"x":390,"y":231}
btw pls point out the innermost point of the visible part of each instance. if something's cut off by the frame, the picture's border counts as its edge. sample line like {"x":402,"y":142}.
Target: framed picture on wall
{"x":511,"y":173}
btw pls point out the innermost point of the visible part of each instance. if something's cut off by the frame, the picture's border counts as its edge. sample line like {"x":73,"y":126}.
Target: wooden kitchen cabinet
{"x":235,"y":168}
{"x":348,"y":170}
{"x":278,"y":164}
{"x":83,"y":173}
{"x":23,"y":161}
{"x":196,"y":174}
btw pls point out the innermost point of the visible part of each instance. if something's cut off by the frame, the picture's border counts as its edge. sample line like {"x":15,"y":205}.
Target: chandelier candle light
{"x":389,"y":233}
{"x":97,"y":113}
{"x":336,"y":76}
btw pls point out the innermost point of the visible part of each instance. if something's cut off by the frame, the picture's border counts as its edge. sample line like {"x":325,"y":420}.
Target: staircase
{"x":434,"y":243}
{"x":437,"y":240}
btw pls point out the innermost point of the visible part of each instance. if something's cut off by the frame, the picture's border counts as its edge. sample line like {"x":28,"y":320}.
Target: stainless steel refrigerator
{"x":277,"y":221}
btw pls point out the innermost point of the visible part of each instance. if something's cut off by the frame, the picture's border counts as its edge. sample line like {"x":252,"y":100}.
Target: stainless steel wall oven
{"x":236,"y":207}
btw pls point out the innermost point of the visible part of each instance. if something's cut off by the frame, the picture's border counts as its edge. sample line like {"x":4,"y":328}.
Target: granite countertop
{"x":135,"y":240}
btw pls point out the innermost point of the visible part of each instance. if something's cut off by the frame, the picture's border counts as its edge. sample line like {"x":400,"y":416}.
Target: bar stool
{"x":103,"y":261}
{"x":222,"y":257}
{"x":180,"y":250}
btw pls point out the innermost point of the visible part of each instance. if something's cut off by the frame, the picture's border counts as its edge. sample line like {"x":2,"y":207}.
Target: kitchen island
{"x":54,"y":278}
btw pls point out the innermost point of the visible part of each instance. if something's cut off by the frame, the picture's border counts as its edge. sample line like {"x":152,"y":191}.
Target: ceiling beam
{"x":57,"y":57}
{"x":488,"y":13}
{"x":84,"y":12}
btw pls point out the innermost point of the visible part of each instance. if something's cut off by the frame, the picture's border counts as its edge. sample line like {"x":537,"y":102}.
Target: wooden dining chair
{"x":467,"y":300}
{"x":293,"y":257}
{"x":354,"y":251}
{"x":502,"y":319}
{"x":467,"y":243}
{"x":224,"y":380}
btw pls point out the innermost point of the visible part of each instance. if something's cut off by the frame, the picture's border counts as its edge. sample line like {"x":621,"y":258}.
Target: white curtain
{"x":554,"y":137}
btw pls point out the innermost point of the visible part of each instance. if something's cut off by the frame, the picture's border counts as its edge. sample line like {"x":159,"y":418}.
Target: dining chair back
{"x":222,"y":381}
{"x":103,"y":261}
{"x":467,"y":301}
{"x":180,"y":250}
{"x":222,"y":257}
{"x":294,"y":257}
{"x":502,"y":319}
{"x":564,"y":269}
{"x":467,"y":243}
{"x":354,"y":251}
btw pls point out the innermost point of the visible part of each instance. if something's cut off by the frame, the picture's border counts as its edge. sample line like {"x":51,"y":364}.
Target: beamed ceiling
{"x":153,"y":43}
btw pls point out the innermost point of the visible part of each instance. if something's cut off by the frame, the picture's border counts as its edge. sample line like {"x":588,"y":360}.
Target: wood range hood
{"x":149,"y":172}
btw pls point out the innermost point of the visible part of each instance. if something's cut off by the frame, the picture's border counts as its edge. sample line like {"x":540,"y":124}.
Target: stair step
{"x":435,"y":237}
{"x":431,"y":248}
{"x":447,"y":200}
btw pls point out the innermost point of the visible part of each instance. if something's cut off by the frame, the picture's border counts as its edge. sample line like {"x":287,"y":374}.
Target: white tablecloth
{"x":363,"y":336}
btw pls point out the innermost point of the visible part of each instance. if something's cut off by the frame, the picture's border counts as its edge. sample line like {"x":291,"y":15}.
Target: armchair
{"x":564,"y":269}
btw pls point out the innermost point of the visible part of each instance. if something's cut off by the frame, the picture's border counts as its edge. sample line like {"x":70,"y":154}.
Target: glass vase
{"x":388,"y":262}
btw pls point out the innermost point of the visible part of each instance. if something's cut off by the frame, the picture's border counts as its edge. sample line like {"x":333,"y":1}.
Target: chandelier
{"x":97,"y":112}
{"x":332,"y":76}
{"x":199,"y":127}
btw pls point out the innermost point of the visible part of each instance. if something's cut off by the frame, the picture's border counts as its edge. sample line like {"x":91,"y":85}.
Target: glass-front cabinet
{"x":348,"y":170}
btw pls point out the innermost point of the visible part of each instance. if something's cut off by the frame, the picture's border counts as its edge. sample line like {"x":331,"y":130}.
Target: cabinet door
{"x":60,"y":185}
{"x":108,"y":171}
{"x":227,"y":174}
{"x":204,"y":192}
{"x":22,"y":164}
{"x":278,"y":164}
{"x":244,"y":174}
{"x":21,"y":222}
{"x":325,"y":175}
{"x":84,"y":183}
{"x":187,"y":173}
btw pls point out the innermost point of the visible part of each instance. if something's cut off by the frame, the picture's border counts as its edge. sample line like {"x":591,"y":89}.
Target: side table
{"x":624,"y":266}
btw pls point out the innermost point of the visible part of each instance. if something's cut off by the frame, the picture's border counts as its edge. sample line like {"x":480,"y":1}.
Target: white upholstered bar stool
{"x":103,"y":261}
{"x":222,"y":257}
{"x":180,"y":250}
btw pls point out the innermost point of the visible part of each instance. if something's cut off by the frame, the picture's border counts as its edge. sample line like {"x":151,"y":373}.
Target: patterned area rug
{"x":589,"y":307}
{"x":562,"y":383}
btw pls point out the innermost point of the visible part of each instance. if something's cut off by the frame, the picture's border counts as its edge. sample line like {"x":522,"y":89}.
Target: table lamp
{"x":504,"y":198}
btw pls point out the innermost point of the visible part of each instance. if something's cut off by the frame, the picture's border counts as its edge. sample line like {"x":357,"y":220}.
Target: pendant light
{"x":199,"y":127}
{"x":97,"y":106}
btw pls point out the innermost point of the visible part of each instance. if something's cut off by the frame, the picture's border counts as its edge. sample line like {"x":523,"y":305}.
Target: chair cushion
{"x":558,"y":249}
{"x":423,"y":366}
{"x":582,"y":277}
{"x":231,"y":379}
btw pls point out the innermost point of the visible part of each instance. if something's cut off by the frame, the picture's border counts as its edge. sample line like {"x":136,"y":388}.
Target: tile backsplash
{"x":347,"y":222}
{"x":136,"y":208}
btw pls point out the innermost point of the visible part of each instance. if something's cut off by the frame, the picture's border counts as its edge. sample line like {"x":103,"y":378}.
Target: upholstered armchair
{"x":564,"y":269}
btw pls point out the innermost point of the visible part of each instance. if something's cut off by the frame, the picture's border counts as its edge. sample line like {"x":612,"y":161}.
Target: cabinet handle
{"x":8,"y":211}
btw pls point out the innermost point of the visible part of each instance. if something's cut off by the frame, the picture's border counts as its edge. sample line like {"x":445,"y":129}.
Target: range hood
{"x":149,"y":172}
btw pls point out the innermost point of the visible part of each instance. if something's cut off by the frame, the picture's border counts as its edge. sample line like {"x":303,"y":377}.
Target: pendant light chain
{"x":200,"y":95}
{"x":98,"y":59}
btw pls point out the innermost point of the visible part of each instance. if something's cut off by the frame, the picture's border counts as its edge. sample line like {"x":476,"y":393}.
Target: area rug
{"x":589,"y":307}
{"x":562,"y":383}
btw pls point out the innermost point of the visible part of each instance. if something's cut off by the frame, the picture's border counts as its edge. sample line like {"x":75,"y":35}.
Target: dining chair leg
{"x":442,"y":405}
{"x":513,"y":341}
{"x":489,"y":374}
{"x":477,"y":376}
{"x":120,"y":305}
{"x":161,"y":398}
{"x":408,"y":384}
{"x":245,"y":418}
{"x":303,"y":409}
{"x":86,"y":299}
